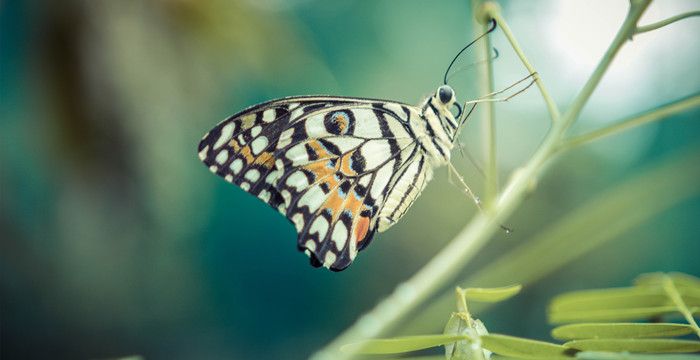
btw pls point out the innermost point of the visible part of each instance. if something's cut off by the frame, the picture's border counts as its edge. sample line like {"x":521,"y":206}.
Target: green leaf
{"x":610,"y":299}
{"x":491,"y":294}
{"x":681,"y":280}
{"x":524,"y":348}
{"x":620,"y":330}
{"x":636,"y":345}
{"x":597,"y":355}
{"x":688,"y":286}
{"x":611,"y":315}
{"x":400,"y":344}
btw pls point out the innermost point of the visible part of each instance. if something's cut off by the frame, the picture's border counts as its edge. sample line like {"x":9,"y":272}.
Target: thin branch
{"x":486,"y":86}
{"x":551,"y":105}
{"x":662,"y":23}
{"x":659,"y":114}
{"x":675,"y":296}
{"x":637,"y":8}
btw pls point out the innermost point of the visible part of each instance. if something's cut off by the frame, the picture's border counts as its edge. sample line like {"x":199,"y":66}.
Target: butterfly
{"x":340,"y":169}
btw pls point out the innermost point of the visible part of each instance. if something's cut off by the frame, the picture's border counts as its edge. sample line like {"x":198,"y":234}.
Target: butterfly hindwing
{"x":326,"y":163}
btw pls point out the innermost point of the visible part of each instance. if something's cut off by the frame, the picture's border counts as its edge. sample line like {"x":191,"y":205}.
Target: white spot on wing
{"x":364,"y":181}
{"x":255,"y":131}
{"x":298,"y":111}
{"x":345,"y":144}
{"x":366,"y":124}
{"x":397,"y":129}
{"x":259,"y":144}
{"x":381,"y":179}
{"x":287,"y":196}
{"x":319,"y":226}
{"x":222,"y":156}
{"x":282,"y":208}
{"x":375,"y":153}
{"x":213,"y":168}
{"x":225,"y":136}
{"x":298,"y":221}
{"x":310,"y":245}
{"x":253,"y":175}
{"x":297,"y":180}
{"x":329,"y":260}
{"x":228,"y":178}
{"x":272,"y":177}
{"x":313,"y":198}
{"x":297,"y":154}
{"x":236,"y":166}
{"x":264,"y":196}
{"x":268,"y":115}
{"x":314,"y":126}
{"x":203,"y":153}
{"x":285,"y":138}
{"x":245,"y":186}
{"x":340,"y":235}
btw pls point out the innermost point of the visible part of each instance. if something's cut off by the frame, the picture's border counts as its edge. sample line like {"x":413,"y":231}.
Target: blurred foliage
{"x":116,"y":241}
{"x":466,"y":338}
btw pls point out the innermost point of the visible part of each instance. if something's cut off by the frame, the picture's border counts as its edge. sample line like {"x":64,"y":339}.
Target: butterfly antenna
{"x":465,"y":67}
{"x":493,"y":26}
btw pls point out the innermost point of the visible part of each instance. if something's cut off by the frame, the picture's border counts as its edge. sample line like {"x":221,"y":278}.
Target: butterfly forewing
{"x":329,"y":164}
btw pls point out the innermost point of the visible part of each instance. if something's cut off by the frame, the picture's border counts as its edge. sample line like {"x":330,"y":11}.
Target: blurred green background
{"x":117,"y":241}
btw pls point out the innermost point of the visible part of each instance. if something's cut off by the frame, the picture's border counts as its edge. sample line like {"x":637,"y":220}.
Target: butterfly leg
{"x":487,"y":97}
{"x":467,"y":191}
{"x":462,"y":184}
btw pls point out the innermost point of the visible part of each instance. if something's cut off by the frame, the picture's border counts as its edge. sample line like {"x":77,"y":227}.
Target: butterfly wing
{"x":329,"y":164}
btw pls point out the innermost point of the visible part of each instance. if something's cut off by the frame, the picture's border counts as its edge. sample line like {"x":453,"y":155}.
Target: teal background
{"x":116,"y":241}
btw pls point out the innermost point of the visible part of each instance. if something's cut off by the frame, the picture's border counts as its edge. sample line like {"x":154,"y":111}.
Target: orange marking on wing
{"x":266,"y":159}
{"x":361,"y":228}
{"x":319,"y":149}
{"x":319,"y":168}
{"x":342,"y":121}
{"x":345,"y":162}
{"x":335,"y":204}
{"x":245,"y":151}
{"x":248,"y":121}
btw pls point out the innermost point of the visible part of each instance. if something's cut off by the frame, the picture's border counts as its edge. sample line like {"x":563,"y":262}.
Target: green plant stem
{"x":661,"y":113}
{"x":561,"y":242}
{"x":662,"y":23}
{"x":488,"y":114}
{"x":628,"y":28}
{"x":551,"y":105}
{"x":444,"y":265}
{"x":675,"y":296}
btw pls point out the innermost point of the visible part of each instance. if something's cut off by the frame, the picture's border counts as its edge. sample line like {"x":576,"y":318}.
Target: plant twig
{"x":444,"y":265}
{"x":551,"y":105}
{"x":662,"y":23}
{"x":488,"y":121}
{"x":659,"y":114}
{"x":562,"y":241}
{"x":675,"y":296}
{"x":637,"y":8}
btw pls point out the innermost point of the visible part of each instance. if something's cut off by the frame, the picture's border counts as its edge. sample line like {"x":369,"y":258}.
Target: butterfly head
{"x":446,"y":95}
{"x":443,"y":103}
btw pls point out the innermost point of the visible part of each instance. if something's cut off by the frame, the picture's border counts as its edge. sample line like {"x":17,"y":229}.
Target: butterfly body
{"x":339,"y":168}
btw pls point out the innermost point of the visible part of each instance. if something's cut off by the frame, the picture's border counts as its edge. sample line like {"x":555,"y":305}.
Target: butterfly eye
{"x":445,"y":93}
